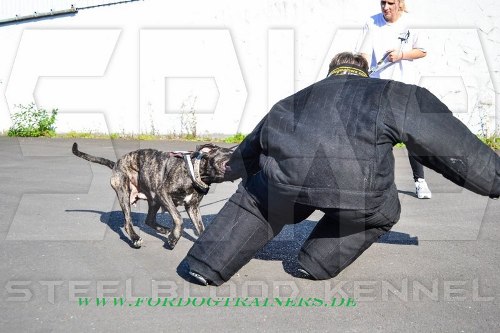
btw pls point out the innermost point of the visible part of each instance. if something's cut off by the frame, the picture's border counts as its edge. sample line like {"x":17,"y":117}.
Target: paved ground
{"x":61,"y":241}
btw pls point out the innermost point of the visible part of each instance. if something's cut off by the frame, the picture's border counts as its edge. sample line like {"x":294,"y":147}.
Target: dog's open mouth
{"x":222,"y":166}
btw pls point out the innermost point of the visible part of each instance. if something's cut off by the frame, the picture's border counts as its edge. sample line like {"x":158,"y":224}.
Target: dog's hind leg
{"x":121,"y":186}
{"x":175,"y":234}
{"x":151,"y":218}
{"x":193,"y":211}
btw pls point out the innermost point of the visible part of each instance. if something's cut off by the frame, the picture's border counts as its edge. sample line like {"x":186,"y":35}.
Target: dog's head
{"x":213,"y":160}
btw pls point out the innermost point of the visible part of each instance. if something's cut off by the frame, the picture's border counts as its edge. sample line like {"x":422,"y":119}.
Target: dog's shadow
{"x":116,"y":221}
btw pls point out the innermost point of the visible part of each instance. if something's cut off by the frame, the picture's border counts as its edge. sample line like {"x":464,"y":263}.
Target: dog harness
{"x":193,"y":169}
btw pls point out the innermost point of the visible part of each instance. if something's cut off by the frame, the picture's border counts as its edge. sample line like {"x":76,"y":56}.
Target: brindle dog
{"x":163,"y":179}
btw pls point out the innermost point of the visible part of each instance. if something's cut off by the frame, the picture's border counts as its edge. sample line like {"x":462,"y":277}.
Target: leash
{"x":403,"y":38}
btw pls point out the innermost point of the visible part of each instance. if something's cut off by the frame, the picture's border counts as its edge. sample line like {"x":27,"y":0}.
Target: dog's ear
{"x":206,"y":148}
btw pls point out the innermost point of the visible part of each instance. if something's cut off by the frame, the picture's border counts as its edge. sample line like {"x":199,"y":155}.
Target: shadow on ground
{"x":284,"y":247}
{"x":115,"y":221}
{"x":408,"y":193}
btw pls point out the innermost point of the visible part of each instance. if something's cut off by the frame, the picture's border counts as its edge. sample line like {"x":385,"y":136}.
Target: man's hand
{"x":394,"y":55}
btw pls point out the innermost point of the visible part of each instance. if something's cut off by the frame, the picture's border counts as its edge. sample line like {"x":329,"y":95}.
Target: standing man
{"x":329,"y":147}
{"x":390,"y":46}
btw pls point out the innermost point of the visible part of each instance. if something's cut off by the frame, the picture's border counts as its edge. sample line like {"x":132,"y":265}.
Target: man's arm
{"x":394,"y":55}
{"x":418,"y":49}
{"x":443,"y":143}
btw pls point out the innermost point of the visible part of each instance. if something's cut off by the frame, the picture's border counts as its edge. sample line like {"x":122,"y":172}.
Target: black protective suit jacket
{"x":330,"y":144}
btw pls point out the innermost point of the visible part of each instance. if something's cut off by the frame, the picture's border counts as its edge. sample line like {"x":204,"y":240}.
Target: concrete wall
{"x":163,"y":66}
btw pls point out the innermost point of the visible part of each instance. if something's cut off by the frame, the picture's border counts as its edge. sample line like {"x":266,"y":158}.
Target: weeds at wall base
{"x":30,"y":121}
{"x":237,"y":138}
{"x":492,"y":141}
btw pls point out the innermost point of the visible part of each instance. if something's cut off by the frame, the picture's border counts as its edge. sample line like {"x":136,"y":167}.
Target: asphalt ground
{"x":63,"y":249}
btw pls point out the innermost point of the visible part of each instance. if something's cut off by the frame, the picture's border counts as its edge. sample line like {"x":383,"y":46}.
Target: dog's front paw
{"x":172,"y":240}
{"x":199,"y":231}
{"x":137,"y":243}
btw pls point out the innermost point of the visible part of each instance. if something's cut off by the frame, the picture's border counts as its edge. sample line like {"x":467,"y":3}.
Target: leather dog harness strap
{"x":194,"y":173}
{"x":193,"y":170}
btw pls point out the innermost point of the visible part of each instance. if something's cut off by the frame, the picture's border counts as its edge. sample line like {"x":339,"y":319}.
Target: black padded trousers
{"x":252,"y":217}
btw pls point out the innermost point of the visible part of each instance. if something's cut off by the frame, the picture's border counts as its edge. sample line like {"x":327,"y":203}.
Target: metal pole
{"x":36,"y":15}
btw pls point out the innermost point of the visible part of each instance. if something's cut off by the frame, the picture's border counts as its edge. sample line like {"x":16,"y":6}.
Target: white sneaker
{"x":422,"y":190}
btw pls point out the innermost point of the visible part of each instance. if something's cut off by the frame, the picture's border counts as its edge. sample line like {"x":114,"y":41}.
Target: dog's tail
{"x":90,"y":158}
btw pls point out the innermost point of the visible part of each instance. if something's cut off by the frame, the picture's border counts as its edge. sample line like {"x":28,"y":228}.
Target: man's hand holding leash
{"x":391,"y":56}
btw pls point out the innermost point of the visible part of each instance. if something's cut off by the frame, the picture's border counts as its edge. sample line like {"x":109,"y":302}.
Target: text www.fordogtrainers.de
{"x":216,"y":302}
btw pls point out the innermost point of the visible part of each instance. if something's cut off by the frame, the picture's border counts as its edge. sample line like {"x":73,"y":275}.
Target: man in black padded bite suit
{"x":329,"y":147}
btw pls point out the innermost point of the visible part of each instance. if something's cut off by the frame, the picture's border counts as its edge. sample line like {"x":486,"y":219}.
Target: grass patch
{"x":237,"y":138}
{"x":493,"y":142}
{"x":400,"y":145}
{"x":31,"y":121}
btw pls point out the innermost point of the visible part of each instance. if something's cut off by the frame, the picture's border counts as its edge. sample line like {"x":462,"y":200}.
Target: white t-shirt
{"x":379,"y":36}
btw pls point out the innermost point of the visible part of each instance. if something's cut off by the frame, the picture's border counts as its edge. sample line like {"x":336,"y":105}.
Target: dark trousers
{"x":416,"y":167}
{"x":253,"y":216}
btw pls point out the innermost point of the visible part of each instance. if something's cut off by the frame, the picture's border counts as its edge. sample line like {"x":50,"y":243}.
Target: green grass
{"x":30,"y":121}
{"x":493,"y":142}
{"x":237,"y":138}
{"x":400,"y":145}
